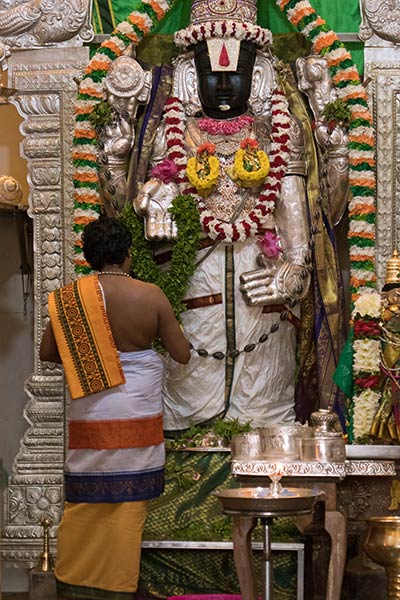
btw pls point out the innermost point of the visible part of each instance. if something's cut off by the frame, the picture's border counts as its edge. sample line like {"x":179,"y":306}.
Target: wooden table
{"x":329,"y":478}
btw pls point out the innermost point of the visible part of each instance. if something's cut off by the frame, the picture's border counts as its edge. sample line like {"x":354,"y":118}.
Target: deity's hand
{"x":117,"y":138}
{"x":116,"y":141}
{"x":331,"y":137}
{"x":275,"y":282}
{"x":152,"y":202}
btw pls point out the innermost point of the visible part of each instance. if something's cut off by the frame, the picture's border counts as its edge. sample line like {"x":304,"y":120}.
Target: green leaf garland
{"x":175,"y":281}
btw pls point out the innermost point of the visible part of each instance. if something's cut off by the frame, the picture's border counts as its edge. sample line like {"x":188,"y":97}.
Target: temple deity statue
{"x":222,"y":127}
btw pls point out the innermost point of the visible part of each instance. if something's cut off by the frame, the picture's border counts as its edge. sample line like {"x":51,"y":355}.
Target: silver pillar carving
{"x":380,"y":31}
{"x":45,"y":99}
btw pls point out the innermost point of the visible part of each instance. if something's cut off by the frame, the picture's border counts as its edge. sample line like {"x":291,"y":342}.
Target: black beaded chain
{"x":282,"y":317}
{"x":249,"y":347}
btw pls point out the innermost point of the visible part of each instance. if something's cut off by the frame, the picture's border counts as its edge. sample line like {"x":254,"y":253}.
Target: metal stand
{"x":267,"y":575}
{"x":244,"y":522}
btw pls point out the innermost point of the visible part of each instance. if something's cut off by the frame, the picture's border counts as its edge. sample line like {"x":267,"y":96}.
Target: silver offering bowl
{"x":382,"y":545}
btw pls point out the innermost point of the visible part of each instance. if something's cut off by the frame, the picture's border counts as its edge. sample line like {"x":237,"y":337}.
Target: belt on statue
{"x":280,"y":308}
{"x":166,"y":256}
{"x":210,"y":300}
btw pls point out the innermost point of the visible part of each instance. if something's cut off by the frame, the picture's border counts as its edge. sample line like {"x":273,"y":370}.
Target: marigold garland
{"x":247,"y":175}
{"x":203,"y":169}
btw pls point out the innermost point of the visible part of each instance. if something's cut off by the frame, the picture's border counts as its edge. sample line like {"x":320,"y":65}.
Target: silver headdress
{"x":223,"y":24}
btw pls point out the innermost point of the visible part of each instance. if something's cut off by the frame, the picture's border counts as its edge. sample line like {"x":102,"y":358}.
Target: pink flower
{"x":165,"y":170}
{"x":269,"y":244}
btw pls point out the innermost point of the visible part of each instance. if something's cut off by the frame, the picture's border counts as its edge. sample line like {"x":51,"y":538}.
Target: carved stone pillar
{"x":380,"y":30}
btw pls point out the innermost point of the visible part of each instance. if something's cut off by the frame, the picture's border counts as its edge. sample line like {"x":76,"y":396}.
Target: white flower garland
{"x":223,"y":29}
{"x":175,"y":120}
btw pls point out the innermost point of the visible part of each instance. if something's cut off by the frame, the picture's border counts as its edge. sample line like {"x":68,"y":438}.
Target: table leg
{"x":267,"y":576}
{"x":336,"y":526}
{"x":242,"y":528}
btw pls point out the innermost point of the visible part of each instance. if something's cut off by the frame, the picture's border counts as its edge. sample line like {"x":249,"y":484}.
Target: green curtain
{"x":342,"y":17}
{"x":188,"y":510}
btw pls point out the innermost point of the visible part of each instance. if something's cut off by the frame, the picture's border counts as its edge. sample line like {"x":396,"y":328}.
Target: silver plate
{"x":371,"y":451}
{"x":260,"y":500}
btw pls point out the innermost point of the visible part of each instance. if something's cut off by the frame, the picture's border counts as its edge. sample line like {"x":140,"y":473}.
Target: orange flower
{"x":206,"y":147}
{"x":249,"y":142}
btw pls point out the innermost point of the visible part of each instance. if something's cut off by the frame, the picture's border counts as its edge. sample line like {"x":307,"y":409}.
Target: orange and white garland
{"x":87,"y":199}
{"x":175,"y":120}
{"x":361,"y":139}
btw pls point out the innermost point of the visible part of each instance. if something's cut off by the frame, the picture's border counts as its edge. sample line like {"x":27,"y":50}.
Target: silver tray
{"x":200,"y":449}
{"x":259,"y":500}
{"x":380,"y":452}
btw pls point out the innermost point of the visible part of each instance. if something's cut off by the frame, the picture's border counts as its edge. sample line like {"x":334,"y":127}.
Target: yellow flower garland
{"x":253,"y":178}
{"x":204,"y":184}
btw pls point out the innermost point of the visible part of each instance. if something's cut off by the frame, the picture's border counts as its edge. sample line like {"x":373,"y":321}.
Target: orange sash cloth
{"x":84,"y":338}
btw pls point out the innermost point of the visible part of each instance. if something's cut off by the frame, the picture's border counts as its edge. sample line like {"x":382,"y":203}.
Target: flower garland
{"x":203,"y":169}
{"x":175,"y":120}
{"x":196,"y":33}
{"x":227,"y":127}
{"x":251,"y":165}
{"x":366,"y":364}
{"x":361,"y":139}
{"x":361,"y":234}
{"x":87,"y":200}
{"x":173,"y":282}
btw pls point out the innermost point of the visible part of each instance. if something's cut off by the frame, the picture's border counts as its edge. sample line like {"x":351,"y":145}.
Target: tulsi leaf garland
{"x":174,"y":282}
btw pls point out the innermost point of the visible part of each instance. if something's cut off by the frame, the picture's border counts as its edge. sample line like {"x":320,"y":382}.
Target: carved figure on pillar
{"x":232,"y":137}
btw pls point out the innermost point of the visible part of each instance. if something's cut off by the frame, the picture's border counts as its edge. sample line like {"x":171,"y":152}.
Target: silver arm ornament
{"x":155,"y":197}
{"x":127,"y":86}
{"x":286,"y":279}
{"x":316,"y":82}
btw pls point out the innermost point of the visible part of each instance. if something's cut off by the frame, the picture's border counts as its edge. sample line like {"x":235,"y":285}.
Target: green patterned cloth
{"x":188,"y":511}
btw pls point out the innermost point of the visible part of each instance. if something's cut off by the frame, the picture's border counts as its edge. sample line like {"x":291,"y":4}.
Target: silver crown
{"x":244,"y":11}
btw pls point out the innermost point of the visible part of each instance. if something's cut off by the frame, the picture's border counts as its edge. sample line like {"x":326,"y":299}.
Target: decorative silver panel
{"x":367,"y":468}
{"x":45,"y":99}
{"x":380,"y":24}
{"x":384,"y":91}
{"x":38,"y":23}
{"x":380,"y":29}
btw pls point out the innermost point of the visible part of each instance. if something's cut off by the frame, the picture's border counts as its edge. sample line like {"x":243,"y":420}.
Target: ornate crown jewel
{"x":223,"y":19}
{"x":221,"y":10}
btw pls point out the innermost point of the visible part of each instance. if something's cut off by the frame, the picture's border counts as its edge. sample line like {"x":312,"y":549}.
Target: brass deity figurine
{"x":386,"y":423}
{"x":229,"y":137}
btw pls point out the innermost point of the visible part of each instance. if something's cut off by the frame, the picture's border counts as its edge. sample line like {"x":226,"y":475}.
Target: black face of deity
{"x":219,"y":90}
